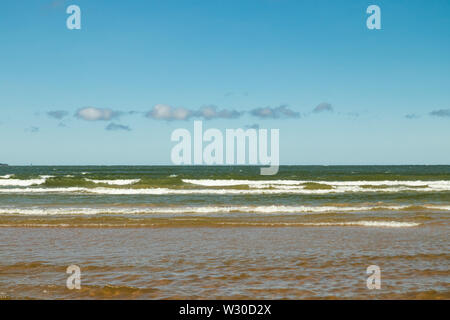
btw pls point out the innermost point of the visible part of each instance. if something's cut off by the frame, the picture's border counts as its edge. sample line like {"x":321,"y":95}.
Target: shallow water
{"x":235,"y":263}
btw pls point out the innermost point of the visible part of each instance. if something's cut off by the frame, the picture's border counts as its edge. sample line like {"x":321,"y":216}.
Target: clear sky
{"x":113,"y":91}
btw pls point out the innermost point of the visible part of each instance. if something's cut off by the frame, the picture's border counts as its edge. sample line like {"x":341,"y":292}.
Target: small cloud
{"x":412,"y":116}
{"x":442,"y":113}
{"x":323,"y":107}
{"x":274,"y":113}
{"x":166,"y":112}
{"x":211,"y":112}
{"x":116,"y":127}
{"x":57,"y":114}
{"x":32,"y":129}
{"x":95,"y":114}
{"x":252,"y":126}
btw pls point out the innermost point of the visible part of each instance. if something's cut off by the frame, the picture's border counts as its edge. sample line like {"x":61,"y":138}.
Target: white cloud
{"x":95,"y":114}
{"x":166,"y":112}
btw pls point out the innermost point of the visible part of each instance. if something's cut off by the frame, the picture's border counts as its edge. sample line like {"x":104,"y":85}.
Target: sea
{"x":224,"y":232}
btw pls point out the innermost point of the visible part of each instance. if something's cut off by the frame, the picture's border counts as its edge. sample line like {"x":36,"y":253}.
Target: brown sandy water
{"x":236,"y":262}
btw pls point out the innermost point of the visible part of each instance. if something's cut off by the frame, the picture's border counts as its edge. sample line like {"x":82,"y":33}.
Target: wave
{"x":117,"y":182}
{"x":7,"y":176}
{"x":273,"y":209}
{"x":67,"y":183}
{"x":386,"y":224}
{"x":443,"y":184}
{"x":21,"y":183}
{"x":377,"y":224}
{"x":167,"y":191}
{"x":231,"y":182}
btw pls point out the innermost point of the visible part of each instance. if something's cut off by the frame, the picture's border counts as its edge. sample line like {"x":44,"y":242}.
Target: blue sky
{"x":384,"y":94}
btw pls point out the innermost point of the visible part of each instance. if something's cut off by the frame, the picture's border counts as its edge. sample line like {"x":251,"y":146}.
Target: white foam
{"x":207,"y":191}
{"x":287,"y":184}
{"x":280,"y":209}
{"x":117,"y":182}
{"x":438,"y":207}
{"x":7,"y":176}
{"x":385,"y":224}
{"x":43,"y":190}
{"x":21,"y":183}
{"x":231,"y":182}
{"x":167,"y":191}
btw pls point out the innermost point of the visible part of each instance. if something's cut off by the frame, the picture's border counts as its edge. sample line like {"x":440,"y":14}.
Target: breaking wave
{"x":169,"y":191}
{"x":117,"y":182}
{"x":207,"y":209}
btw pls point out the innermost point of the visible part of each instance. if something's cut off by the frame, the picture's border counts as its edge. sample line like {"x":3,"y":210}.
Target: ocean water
{"x":224,"y":232}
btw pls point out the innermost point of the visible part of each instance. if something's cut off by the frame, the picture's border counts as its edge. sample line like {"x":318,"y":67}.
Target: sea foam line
{"x":386,"y":224}
{"x":167,"y":191}
{"x":21,"y":183}
{"x":273,"y":209}
{"x":444,"y":184}
{"x":117,"y":182}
